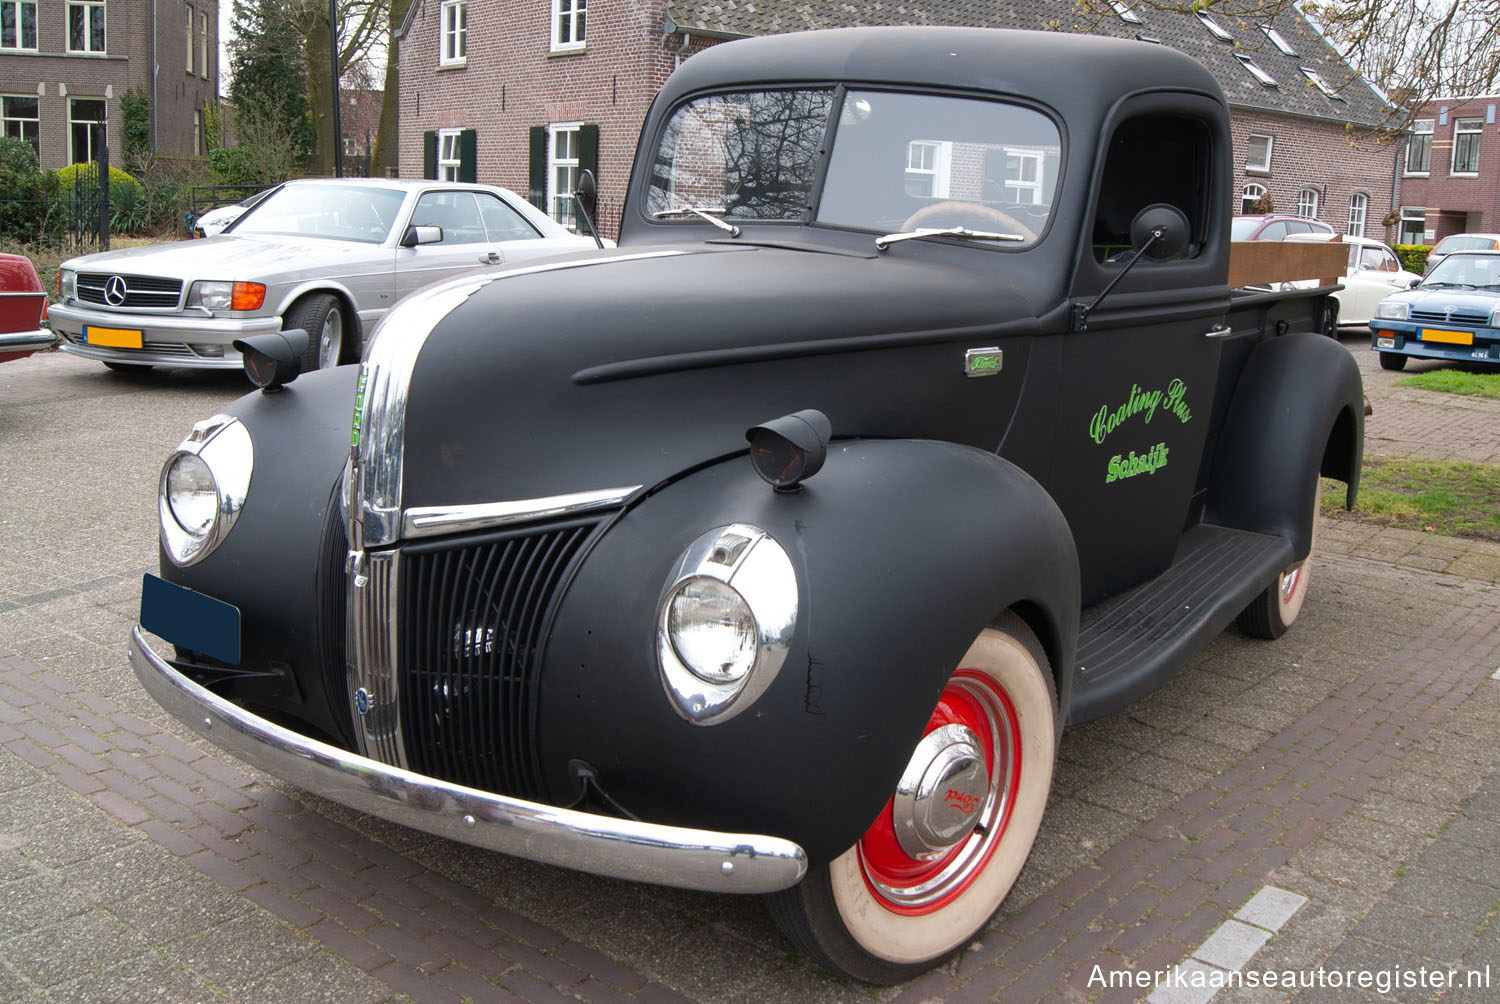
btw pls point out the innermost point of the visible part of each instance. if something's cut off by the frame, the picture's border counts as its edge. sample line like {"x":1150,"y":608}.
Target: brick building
{"x":1449,"y":177}
{"x":526,"y":94}
{"x":65,"y":65}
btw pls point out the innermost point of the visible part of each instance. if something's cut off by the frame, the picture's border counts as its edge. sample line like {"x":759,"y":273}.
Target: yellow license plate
{"x":116,"y":338}
{"x":1451,"y":337}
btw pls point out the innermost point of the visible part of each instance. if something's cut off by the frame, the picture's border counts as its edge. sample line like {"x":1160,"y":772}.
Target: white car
{"x":213,"y":222}
{"x":330,"y":256}
{"x":1374,"y":273}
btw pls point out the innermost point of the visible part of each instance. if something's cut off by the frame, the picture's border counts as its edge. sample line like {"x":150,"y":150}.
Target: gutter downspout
{"x":670,"y":28}
{"x":155,"y":70}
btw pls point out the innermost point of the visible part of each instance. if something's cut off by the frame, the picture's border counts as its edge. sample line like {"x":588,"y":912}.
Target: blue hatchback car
{"x":1451,"y":314}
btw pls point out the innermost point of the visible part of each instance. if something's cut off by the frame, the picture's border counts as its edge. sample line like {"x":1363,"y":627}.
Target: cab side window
{"x":456,"y":212}
{"x":1153,"y":159}
{"x":502,"y":223}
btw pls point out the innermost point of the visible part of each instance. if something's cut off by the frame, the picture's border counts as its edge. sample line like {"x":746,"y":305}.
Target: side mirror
{"x":273,"y":359}
{"x":586,"y":195}
{"x":1160,"y":231}
{"x":421,"y":235}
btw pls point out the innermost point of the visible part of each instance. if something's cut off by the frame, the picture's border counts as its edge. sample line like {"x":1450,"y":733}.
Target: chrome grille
{"x":140,"y":290}
{"x":1451,"y":316}
{"x":473,"y":615}
{"x":372,"y":665}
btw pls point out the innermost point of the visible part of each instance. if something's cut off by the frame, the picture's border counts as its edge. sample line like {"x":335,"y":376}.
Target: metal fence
{"x":72,"y":218}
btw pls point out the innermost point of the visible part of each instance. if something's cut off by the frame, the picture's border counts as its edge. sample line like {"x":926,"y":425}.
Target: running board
{"x":1132,"y":643}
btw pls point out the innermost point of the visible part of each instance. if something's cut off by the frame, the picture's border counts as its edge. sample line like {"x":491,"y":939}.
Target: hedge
{"x":1413,"y":256}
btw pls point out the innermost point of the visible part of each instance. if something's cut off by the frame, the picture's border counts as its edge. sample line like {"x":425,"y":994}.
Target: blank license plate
{"x":117,"y":338}
{"x":1451,"y":337}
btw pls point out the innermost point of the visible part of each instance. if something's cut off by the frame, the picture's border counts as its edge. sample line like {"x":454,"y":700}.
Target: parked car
{"x":1453,"y":314}
{"x":1460,"y":242}
{"x":330,"y":256}
{"x":214,"y":221}
{"x":23,"y":306}
{"x":1275,"y":227}
{"x":1374,"y":273}
{"x":770,"y":551}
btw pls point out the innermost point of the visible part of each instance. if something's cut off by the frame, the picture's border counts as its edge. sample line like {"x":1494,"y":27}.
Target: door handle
{"x":491,"y":258}
{"x":1218,"y":331}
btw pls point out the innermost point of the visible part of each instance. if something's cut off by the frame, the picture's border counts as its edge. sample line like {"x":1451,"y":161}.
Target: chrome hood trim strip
{"x":604,"y":845}
{"x":385,"y":386}
{"x":431,"y":521}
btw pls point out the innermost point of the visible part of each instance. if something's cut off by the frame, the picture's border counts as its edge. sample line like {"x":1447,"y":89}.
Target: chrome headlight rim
{"x":224,"y":446}
{"x":756,"y":570}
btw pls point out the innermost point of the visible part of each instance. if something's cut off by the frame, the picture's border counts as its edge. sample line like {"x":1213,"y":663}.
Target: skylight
{"x":1256,"y":71}
{"x":1278,"y":40}
{"x":1320,"y":83}
{"x":1126,"y":14}
{"x":1214,"y":28}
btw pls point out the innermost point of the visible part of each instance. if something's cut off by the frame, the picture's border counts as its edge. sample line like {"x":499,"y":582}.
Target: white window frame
{"x":559,"y":202}
{"x":1126,"y":14}
{"x":1466,"y":128}
{"x":188,"y":11}
{"x":28,"y":128}
{"x":1317,"y":81}
{"x":1307,"y":203}
{"x":1027,"y":191}
{"x":1264,"y":164}
{"x":1249,"y":195}
{"x":1412,"y":214}
{"x":454,"y":44}
{"x":103,"y":125}
{"x":1278,"y":40}
{"x":1359,"y":211}
{"x":1215,"y":29}
{"x":573,"y":14}
{"x":930,"y":161}
{"x":203,"y":44}
{"x":1255,"y":71}
{"x":449,"y":154}
{"x":18,"y":21}
{"x":1422,"y":130}
{"x":197,"y":132}
{"x":89,"y":7}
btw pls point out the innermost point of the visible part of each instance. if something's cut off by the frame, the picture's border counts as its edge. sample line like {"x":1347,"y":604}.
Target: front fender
{"x":1297,"y":412}
{"x":904,"y":551}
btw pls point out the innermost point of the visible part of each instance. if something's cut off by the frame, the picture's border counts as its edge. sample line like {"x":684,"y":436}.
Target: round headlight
{"x":712,"y":630}
{"x":192,"y":496}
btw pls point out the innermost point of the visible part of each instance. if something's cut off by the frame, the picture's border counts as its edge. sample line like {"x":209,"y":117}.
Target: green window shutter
{"x":538,"y":193}
{"x":468,"y":156}
{"x":588,"y":149}
{"x":429,"y":154}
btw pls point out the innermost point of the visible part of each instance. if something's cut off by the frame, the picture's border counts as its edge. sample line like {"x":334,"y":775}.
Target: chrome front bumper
{"x":169,"y":339}
{"x":603,"y":845}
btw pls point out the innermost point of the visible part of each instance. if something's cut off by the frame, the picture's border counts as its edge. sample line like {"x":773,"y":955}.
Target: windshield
{"x":340,"y":212}
{"x":1240,"y":228}
{"x":1464,"y":242}
{"x":899,"y":161}
{"x":1465,"y":270}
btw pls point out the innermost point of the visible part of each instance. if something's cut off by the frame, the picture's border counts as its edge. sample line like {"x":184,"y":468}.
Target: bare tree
{"x":362,"y":25}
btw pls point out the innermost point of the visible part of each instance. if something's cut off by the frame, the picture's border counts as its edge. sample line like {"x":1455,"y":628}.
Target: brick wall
{"x":1456,"y":204}
{"x":57,"y":77}
{"x":1322,"y":156}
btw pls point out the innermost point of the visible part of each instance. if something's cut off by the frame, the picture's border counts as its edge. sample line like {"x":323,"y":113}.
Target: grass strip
{"x":1445,"y":497}
{"x":1451,"y":381}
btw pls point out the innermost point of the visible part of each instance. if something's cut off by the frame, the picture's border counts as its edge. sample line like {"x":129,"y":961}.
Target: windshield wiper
{"x":881,"y":243}
{"x":703,"y":213}
{"x":1455,"y":285}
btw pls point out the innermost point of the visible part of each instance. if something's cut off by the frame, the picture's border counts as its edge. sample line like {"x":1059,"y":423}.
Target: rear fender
{"x":903,"y":550}
{"x":1297,"y":412}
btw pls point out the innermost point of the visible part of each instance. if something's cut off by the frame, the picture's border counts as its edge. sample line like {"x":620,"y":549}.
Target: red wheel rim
{"x":915,"y":886}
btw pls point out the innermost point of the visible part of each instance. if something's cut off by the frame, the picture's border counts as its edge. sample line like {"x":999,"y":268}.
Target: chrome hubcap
{"x":331,"y":340}
{"x":942,"y":793}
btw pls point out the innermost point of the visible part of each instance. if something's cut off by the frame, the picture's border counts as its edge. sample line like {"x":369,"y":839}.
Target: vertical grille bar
{"x":372,"y":665}
{"x":472,"y":616}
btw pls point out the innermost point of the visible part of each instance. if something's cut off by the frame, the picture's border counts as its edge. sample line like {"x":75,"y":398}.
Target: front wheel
{"x":1392,"y":361}
{"x":948,"y":845}
{"x":1275,"y":609}
{"x":321,"y":316}
{"x":1331,"y":318}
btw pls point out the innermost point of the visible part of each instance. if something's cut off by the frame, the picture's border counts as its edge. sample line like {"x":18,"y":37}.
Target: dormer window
{"x":1126,"y":14}
{"x":1214,"y":28}
{"x":1321,"y":84}
{"x":1278,"y":40}
{"x":1255,"y":70}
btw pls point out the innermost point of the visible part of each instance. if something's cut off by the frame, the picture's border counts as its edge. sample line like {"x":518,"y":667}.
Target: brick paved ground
{"x":1353,"y":762}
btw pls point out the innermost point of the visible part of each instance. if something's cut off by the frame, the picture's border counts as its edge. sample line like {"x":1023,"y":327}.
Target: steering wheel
{"x":950,"y":213}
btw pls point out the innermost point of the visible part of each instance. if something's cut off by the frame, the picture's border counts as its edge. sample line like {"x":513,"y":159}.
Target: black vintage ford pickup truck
{"x":912,"y":418}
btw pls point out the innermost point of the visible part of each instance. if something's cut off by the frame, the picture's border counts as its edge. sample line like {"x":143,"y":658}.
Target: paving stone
{"x":1271,"y":908}
{"x":1232,"y":946}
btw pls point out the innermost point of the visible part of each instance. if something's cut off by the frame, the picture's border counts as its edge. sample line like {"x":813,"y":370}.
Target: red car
{"x":22,"y":307}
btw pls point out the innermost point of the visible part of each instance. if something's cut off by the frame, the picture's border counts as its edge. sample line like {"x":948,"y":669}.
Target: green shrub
{"x":1413,"y":256}
{"x":25,"y":192}
{"x":76,"y":202}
